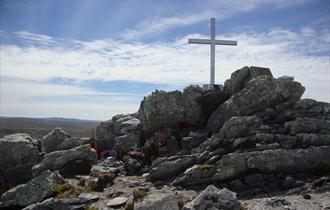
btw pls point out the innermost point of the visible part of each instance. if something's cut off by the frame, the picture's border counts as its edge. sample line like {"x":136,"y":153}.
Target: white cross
{"x":212,"y":42}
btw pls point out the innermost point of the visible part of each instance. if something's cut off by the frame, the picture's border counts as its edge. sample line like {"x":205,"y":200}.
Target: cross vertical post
{"x":212,"y":51}
{"x":212,"y":42}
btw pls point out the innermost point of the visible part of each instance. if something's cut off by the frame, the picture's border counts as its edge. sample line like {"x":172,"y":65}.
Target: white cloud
{"x":34,"y":37}
{"x":220,"y":9}
{"x":175,"y":64}
{"x":31,"y":99}
{"x":158,"y":25}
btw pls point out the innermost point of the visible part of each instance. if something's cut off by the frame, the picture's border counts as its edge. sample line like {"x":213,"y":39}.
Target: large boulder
{"x":72,"y":142}
{"x":105,"y":135}
{"x":54,"y":138}
{"x":34,"y":191}
{"x":239,"y":78}
{"x":61,"y":159}
{"x":124,"y":126}
{"x":170,"y":167}
{"x":238,"y":131}
{"x":313,"y":159}
{"x":127,"y":142}
{"x":49,"y":204}
{"x":166,"y":109}
{"x":311,"y":109}
{"x":308,"y":125}
{"x":192,"y":110}
{"x":157,"y":200}
{"x":18,"y":154}
{"x":210,"y":101}
{"x":257,"y":95}
{"x":195,"y":175}
{"x":213,"y":198}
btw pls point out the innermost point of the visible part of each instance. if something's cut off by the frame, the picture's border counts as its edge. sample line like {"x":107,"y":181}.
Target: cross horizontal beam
{"x":208,"y":41}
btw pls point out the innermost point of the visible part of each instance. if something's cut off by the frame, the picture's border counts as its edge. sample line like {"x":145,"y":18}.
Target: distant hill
{"x":38,"y":127}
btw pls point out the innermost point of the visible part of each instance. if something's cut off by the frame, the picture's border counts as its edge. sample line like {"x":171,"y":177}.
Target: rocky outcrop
{"x":34,"y":191}
{"x":256,"y":96}
{"x":18,"y":154}
{"x":50,"y":203}
{"x":316,"y":159}
{"x":239,"y":78}
{"x":51,"y":141}
{"x":122,"y":132}
{"x":72,"y":142}
{"x":167,"y":168}
{"x":127,"y":142}
{"x":198,"y":174}
{"x":210,"y":101}
{"x":308,"y":125}
{"x":61,"y":159}
{"x":213,"y":198}
{"x":240,"y":132}
{"x":166,"y":109}
{"x":157,"y":200}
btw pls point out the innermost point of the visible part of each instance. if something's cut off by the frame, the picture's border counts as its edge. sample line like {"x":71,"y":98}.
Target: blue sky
{"x":93,"y":59}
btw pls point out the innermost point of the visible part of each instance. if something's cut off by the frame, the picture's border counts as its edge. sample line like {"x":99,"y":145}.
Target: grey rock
{"x":237,"y":185}
{"x":288,"y":182}
{"x":18,"y":154}
{"x":117,"y":201}
{"x":210,"y":101}
{"x":133,"y":165}
{"x":308,"y":125}
{"x":118,"y":123}
{"x":184,"y":196}
{"x":286,"y":141}
{"x":310,"y":139}
{"x":105,"y":135}
{"x":240,"y":126}
{"x":169,"y":168}
{"x":190,"y":142}
{"x":127,"y":126}
{"x":256,"y":71}
{"x":127,"y":142}
{"x":72,"y":142}
{"x":89,"y":197}
{"x":239,"y":78}
{"x":54,"y":138}
{"x":58,"y":159}
{"x":256,"y":96}
{"x":161,"y":110}
{"x":36,"y":190}
{"x":166,"y":109}
{"x":234,"y":128}
{"x":254,"y":180}
{"x":157,"y":200}
{"x":197,"y":174}
{"x":213,"y":198}
{"x":124,"y":127}
{"x":103,"y":169}
{"x":274,"y":161}
{"x":192,"y":110}
{"x":49,"y":204}
{"x":310,"y":108}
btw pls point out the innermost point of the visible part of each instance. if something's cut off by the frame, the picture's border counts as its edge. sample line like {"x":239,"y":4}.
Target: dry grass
{"x":67,"y":190}
{"x":205,"y":167}
{"x":139,"y":193}
{"x":129,"y":206}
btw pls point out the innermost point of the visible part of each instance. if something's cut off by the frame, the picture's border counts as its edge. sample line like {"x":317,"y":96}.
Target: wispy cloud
{"x":298,"y":53}
{"x":214,"y":8}
{"x":30,"y":99}
{"x":34,"y":37}
{"x":158,"y":25}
